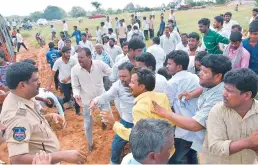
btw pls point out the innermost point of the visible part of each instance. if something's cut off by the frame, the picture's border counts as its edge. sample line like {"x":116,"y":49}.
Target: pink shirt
{"x":245,"y":58}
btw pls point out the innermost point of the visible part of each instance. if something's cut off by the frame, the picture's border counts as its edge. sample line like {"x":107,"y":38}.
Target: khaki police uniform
{"x":28,"y":131}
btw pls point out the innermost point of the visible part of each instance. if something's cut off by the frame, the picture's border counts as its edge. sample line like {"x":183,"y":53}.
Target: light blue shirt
{"x":118,"y":90}
{"x":206,"y":101}
{"x":184,"y":81}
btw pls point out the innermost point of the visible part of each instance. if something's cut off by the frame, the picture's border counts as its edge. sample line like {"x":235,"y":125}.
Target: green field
{"x":186,"y":20}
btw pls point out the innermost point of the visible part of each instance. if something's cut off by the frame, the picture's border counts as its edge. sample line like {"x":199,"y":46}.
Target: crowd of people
{"x":184,"y":95}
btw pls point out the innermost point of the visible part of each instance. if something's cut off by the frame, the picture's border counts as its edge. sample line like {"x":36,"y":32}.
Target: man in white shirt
{"x":183,"y":45}
{"x":218,"y":26}
{"x":64,"y":65}
{"x":255,"y":14}
{"x":61,"y":42}
{"x":125,"y":52}
{"x":121,"y":32}
{"x":195,"y":65}
{"x":114,"y":50}
{"x":182,"y":81}
{"x":111,"y":34}
{"x":20,"y":41}
{"x":68,"y":43}
{"x":98,"y":35}
{"x":87,"y":83}
{"x":106,"y":43}
{"x":86,"y":43}
{"x":103,"y":29}
{"x":146,"y":27}
{"x":172,"y":15}
{"x":167,"y":41}
{"x":157,"y":52}
{"x":108,"y":23}
{"x":119,"y":89}
{"x":135,"y":48}
{"x":228,"y":22}
{"x":173,"y":32}
{"x":47,"y":98}
{"x":65,"y":29}
{"x":147,"y":60}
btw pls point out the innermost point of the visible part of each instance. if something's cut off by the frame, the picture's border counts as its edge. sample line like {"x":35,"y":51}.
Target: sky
{"x":25,"y":7}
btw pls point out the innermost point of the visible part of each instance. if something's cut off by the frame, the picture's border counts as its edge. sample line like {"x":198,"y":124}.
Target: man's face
{"x":202,"y":28}
{"x":184,"y":39}
{"x":31,"y":87}
{"x":167,"y":31}
{"x":235,"y":45}
{"x":84,"y":61}
{"x":67,"y":54}
{"x":106,"y":40}
{"x":232,"y":97}
{"x":74,"y":28}
{"x":125,"y":77}
{"x":109,"y":32}
{"x":193,"y":43}
{"x":172,"y":67}
{"x":227,"y":18}
{"x":255,"y":13}
{"x":207,"y":79}
{"x":235,"y":30}
{"x":136,"y":88}
{"x":216,"y":24}
{"x":133,"y":53}
{"x":129,"y":29}
{"x":84,"y":38}
{"x":86,"y":30}
{"x":111,"y":43}
{"x":139,"y":64}
{"x":197,"y":65}
{"x":125,"y":49}
{"x":68,"y":44}
{"x":98,"y":49}
{"x":165,"y":153}
{"x":253,"y":36}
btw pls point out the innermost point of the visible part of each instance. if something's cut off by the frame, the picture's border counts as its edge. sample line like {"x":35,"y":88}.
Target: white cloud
{"x":24,"y":7}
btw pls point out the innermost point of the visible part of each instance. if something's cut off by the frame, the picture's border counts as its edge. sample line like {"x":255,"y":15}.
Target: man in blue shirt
{"x":251,"y":45}
{"x":77,"y":34}
{"x":51,"y":56}
{"x":161,"y":27}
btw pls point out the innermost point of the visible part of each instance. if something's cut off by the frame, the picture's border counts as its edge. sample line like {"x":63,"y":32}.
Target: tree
{"x":77,"y":11}
{"x":129,"y":7}
{"x":221,"y":1}
{"x":256,"y":3}
{"x":36,"y":15}
{"x":137,"y":6}
{"x":110,"y":11}
{"x":54,"y":12}
{"x":96,"y":4}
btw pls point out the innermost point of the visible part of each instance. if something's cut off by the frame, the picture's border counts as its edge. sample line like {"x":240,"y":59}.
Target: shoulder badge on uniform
{"x":19,"y":133}
{"x":22,"y":110}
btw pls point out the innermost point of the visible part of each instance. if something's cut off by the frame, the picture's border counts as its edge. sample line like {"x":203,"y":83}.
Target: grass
{"x":186,"y":20}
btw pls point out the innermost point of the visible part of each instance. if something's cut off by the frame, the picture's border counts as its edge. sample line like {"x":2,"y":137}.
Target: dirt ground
{"x":72,"y":137}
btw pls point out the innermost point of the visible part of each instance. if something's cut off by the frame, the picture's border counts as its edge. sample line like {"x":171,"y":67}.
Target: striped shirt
{"x":211,"y":41}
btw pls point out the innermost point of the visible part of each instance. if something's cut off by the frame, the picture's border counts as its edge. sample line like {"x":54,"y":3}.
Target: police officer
{"x":28,"y":132}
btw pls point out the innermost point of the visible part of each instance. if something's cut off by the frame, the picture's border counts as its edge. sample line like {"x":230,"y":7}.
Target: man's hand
{"x":158,"y":110}
{"x":186,"y":95}
{"x":253,"y":140}
{"x":65,"y":80}
{"x":74,"y":156}
{"x":92,"y":106}
{"x":57,"y":118}
{"x":78,"y":100}
{"x":42,"y":158}
{"x":2,"y":131}
{"x":107,"y":118}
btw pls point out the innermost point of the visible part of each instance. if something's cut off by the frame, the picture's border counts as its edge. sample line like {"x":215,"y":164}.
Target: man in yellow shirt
{"x":142,"y":85}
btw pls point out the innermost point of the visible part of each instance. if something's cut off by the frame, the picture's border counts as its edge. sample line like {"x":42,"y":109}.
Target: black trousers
{"x":67,"y":90}
{"x":146,"y":34}
{"x":56,"y":80}
{"x":19,"y":46}
{"x":151,"y":33}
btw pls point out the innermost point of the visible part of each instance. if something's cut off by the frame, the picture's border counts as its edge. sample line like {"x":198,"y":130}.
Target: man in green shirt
{"x":211,"y":39}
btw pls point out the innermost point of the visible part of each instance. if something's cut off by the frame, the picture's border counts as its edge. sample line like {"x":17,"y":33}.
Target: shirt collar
{"x":145,"y":94}
{"x":93,"y":65}
{"x":253,"y":110}
{"x":23,"y":102}
{"x":214,"y":89}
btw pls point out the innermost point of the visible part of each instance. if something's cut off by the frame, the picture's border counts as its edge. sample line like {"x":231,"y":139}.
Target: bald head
{"x":99,"y":48}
